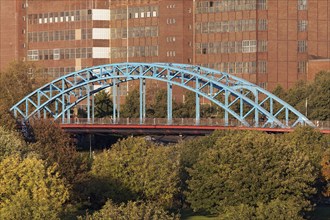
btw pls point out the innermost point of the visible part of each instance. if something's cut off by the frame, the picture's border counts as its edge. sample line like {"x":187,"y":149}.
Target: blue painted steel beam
{"x":211,"y":83}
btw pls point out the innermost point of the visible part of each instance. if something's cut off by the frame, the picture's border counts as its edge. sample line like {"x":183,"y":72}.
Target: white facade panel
{"x":101,"y":33}
{"x":101,"y":52}
{"x":101,"y":15}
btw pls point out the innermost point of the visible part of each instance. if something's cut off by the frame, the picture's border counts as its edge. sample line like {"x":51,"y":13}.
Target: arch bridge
{"x":246,"y":102}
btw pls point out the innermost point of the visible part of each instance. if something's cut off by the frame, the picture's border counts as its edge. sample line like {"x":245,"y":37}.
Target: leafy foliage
{"x":158,"y":107}
{"x":274,"y":210}
{"x":30,"y":190}
{"x":132,"y":210}
{"x":256,"y":167}
{"x":308,"y":140}
{"x":10,"y":143}
{"x":55,"y":146}
{"x":316,"y":94}
{"x":103,"y":105}
{"x":325,"y":168}
{"x":136,"y":169}
{"x":15,"y":83}
{"x":279,"y":210}
{"x":131,"y":109}
{"x":238,"y":212}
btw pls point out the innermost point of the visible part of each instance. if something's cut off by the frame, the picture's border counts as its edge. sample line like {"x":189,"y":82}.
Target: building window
{"x":226,"y":26}
{"x":262,"y":25}
{"x":302,"y":5}
{"x":263,"y":85}
{"x":302,"y":25}
{"x":302,"y":67}
{"x":262,"y":66}
{"x":33,"y":55}
{"x":249,"y":46}
{"x":171,"y":21}
{"x":262,"y":46}
{"x":56,"y":54}
{"x":262,"y":4}
{"x":302,"y":46}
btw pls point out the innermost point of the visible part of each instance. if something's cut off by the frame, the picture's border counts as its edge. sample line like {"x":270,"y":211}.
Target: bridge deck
{"x":137,"y":129}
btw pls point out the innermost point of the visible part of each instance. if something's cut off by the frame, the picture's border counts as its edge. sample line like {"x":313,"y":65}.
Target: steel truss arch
{"x":237,"y":97}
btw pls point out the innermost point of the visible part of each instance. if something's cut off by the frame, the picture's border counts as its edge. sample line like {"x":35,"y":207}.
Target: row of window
{"x":55,"y":17}
{"x":134,"y":51}
{"x":148,"y":31}
{"x":229,"y":5}
{"x":230,"y":26}
{"x":45,"y":36}
{"x":58,"y":71}
{"x":134,"y":12}
{"x":231,"y":67}
{"x":249,"y":67}
{"x":239,"y":67}
{"x":152,"y":31}
{"x":239,"y":26}
{"x":59,"y":54}
{"x":245,"y":46}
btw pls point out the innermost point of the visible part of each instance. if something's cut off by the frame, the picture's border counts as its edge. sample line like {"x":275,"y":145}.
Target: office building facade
{"x":267,"y":42}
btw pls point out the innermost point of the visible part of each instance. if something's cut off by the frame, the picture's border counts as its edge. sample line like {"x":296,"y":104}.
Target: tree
{"x":238,"y":212}
{"x":247,"y":168}
{"x":308,"y":140}
{"x":313,"y":96}
{"x":186,"y":109}
{"x":53,"y":145}
{"x":15,"y":84}
{"x":10,"y":143}
{"x":325,"y":167}
{"x":131,"y":108}
{"x":103,"y":105}
{"x":136,"y":169}
{"x":159,"y":104}
{"x":279,"y":210}
{"x":132,"y":210}
{"x":318,"y":98}
{"x":30,"y":190}
{"x":274,"y":210}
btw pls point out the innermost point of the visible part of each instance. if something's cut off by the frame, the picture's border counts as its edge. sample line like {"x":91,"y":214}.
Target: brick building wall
{"x":12,"y":28}
{"x":267,"y":42}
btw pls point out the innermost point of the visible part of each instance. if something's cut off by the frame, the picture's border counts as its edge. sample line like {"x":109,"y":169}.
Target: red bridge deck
{"x":161,"y":129}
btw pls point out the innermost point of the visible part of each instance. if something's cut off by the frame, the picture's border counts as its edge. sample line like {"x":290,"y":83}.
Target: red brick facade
{"x":268,"y":42}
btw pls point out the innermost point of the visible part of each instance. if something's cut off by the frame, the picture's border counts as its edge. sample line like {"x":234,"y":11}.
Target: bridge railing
{"x":175,"y":121}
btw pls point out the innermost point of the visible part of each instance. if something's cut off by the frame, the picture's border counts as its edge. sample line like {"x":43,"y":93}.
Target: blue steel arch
{"x":56,"y":98}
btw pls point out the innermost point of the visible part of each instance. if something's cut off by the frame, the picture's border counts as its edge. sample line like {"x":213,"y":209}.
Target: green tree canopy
{"x":132,"y":210}
{"x":10,"y":143}
{"x":247,"y":168}
{"x":53,"y":145}
{"x":314,"y":96}
{"x":136,"y":169}
{"x":158,"y":107}
{"x":15,"y":84}
{"x":131,"y":108}
{"x":274,"y":210}
{"x":30,"y":190}
{"x":308,"y":140}
{"x":103,"y":105}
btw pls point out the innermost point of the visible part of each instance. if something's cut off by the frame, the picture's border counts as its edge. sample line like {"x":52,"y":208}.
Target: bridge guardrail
{"x":323,"y":125}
